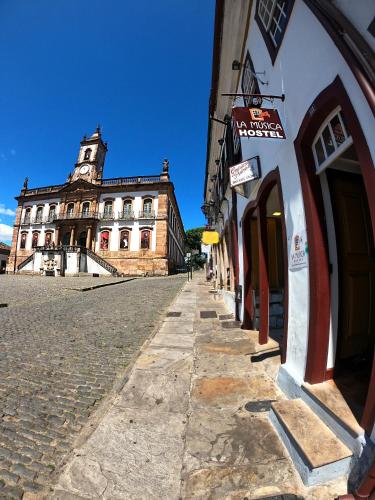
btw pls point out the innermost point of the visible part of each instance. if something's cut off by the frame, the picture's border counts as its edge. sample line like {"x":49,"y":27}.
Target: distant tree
{"x":193,"y":242}
{"x":193,"y":239}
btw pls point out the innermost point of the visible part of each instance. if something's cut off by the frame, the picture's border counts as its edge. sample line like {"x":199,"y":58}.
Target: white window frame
{"x":127,"y":202}
{"x":248,"y":84}
{"x":108,"y":207}
{"x":263,"y":4}
{"x":70,"y":211}
{"x":84,"y":205}
{"x":339,"y":149}
{"x":147,"y":201}
{"x":277,"y":19}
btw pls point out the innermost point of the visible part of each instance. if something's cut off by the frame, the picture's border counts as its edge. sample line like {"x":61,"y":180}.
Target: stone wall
{"x":140,"y":266}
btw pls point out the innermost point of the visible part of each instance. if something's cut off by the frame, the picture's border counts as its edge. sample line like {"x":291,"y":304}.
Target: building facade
{"x":4,"y":256}
{"x":296,"y":254}
{"x":120,"y":226}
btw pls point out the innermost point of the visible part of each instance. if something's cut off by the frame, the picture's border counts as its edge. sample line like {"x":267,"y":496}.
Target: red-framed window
{"x":23,"y":240}
{"x":125,"y":239}
{"x":35,"y":240}
{"x":145,"y":239}
{"x":48,"y":238}
{"x":104,"y":240}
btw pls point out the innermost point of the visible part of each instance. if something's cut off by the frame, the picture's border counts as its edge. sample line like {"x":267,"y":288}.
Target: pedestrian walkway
{"x":192,"y":420}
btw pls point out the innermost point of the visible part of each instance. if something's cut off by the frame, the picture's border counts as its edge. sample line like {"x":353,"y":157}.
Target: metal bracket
{"x":262,"y":96}
{"x":218,"y":121}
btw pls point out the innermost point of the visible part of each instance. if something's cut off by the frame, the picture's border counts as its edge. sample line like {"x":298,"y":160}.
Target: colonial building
{"x":4,"y":256}
{"x":120,"y":226}
{"x":295,"y":259}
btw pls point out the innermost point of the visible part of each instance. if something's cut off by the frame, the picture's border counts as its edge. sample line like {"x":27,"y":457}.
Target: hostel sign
{"x":245,"y":171}
{"x":257,"y":122}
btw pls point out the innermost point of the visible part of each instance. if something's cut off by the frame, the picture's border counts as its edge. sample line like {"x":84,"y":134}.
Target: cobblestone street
{"x":62,"y":350}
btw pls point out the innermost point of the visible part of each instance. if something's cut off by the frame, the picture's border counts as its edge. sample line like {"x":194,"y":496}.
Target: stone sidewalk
{"x":192,"y":420}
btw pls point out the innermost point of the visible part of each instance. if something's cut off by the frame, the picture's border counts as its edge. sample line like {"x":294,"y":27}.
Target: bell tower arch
{"x":91,"y":157}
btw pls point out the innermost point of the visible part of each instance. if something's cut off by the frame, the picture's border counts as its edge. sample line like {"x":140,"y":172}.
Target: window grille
{"x":332,"y":139}
{"x":249,"y":83}
{"x":147,"y":205}
{"x":273,"y":14}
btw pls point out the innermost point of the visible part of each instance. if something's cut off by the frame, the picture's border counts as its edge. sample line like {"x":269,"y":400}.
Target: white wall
{"x":305,"y":46}
{"x":134,"y":226}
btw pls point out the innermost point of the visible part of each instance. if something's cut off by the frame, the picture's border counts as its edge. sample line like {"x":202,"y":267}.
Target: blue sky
{"x":140,"y":69}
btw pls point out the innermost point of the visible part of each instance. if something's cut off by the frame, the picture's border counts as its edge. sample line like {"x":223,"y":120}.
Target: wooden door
{"x":251,"y":268}
{"x":356,"y":268}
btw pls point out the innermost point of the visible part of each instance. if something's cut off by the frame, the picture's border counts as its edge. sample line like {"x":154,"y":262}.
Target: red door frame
{"x":272,"y":179}
{"x":320,"y":294}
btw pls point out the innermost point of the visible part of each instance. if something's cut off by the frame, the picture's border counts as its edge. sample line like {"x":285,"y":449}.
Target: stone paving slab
{"x":180,"y":327}
{"x":162,"y":357}
{"x":191,"y":423}
{"x":173,"y":340}
{"x":164,"y":391}
{"x":232,"y":392}
{"x":129,"y":457}
{"x":235,"y":439}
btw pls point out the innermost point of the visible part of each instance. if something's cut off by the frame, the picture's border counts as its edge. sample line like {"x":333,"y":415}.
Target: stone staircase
{"x":83,"y":253}
{"x":322,"y":436}
{"x":25,"y":262}
{"x":102,"y":262}
{"x":317,"y":453}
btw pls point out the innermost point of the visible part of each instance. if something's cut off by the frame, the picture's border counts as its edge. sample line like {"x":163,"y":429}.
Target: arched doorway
{"x":337,"y":175}
{"x":82,"y":238}
{"x":265,"y":264}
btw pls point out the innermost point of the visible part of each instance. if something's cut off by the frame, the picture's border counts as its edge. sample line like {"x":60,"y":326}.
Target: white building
{"x":126,"y":225}
{"x":297,"y":244}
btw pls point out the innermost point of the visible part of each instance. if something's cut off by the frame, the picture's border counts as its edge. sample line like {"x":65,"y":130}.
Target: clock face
{"x":84,"y":169}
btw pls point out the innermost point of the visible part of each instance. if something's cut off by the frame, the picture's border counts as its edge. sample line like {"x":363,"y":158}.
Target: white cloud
{"x":6,"y":232}
{"x":6,"y":211}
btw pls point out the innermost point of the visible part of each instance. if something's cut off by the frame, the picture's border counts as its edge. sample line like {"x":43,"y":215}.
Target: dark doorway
{"x":275,"y":264}
{"x":66,"y":239}
{"x":356,"y":287}
{"x":82,"y":239}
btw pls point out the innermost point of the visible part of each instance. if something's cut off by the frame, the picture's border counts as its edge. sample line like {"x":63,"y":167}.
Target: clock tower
{"x":91,"y":158}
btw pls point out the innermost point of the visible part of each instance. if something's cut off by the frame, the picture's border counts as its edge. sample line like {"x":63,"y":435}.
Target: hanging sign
{"x":258,"y":122}
{"x":245,"y":171}
{"x":299,"y":250}
{"x":210,"y":237}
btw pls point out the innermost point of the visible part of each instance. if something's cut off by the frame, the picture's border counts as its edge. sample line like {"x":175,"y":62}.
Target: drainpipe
{"x":365,"y":489}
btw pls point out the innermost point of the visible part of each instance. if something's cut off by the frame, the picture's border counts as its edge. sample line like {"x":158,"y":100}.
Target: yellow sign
{"x":210,"y":237}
